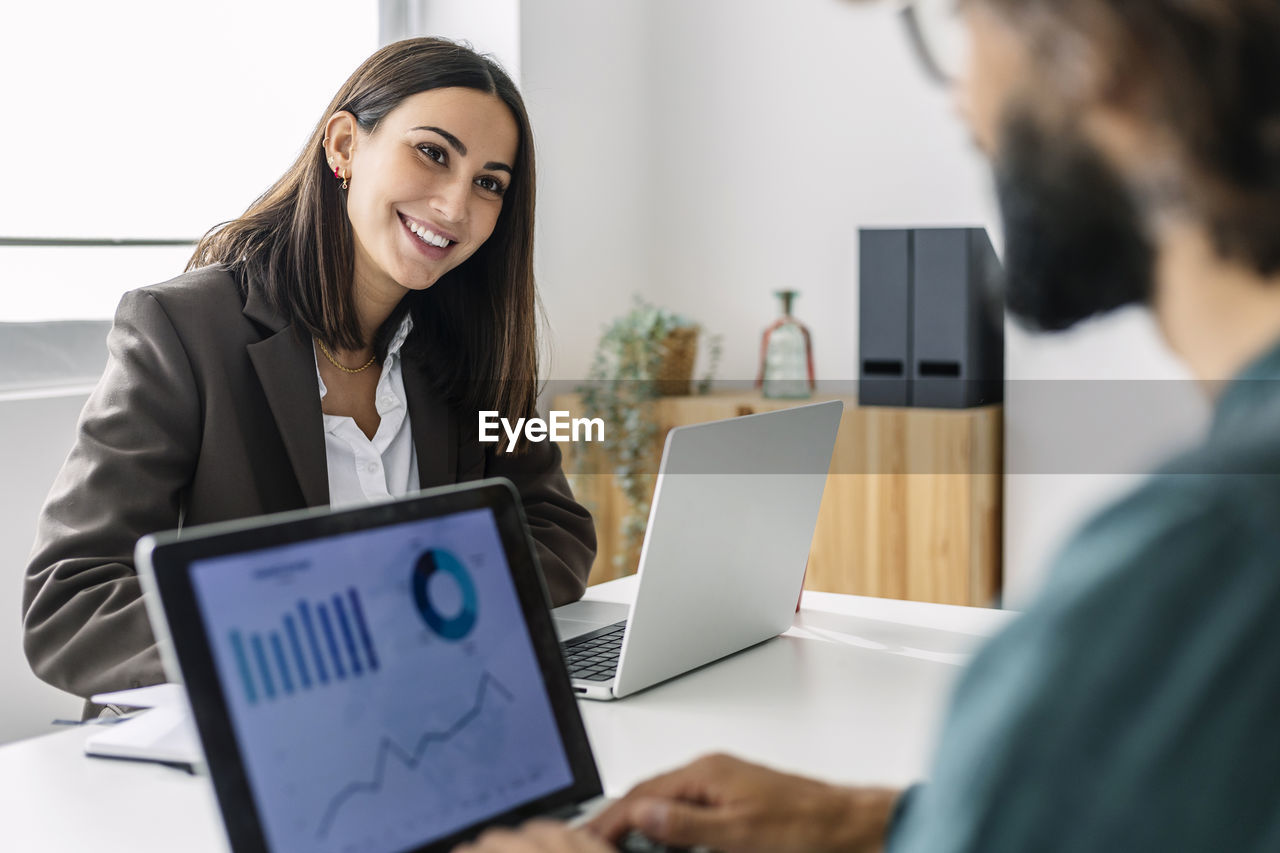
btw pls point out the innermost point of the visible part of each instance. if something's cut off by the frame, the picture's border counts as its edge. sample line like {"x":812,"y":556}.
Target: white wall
{"x":489,"y":26}
{"x":1086,"y":414}
{"x":587,"y":72}
{"x":43,"y":426}
{"x":708,"y":153}
{"x":777,"y":134}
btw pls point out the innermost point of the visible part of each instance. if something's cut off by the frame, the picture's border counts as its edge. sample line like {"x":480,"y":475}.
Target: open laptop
{"x":724,"y":554}
{"x":376,"y":679}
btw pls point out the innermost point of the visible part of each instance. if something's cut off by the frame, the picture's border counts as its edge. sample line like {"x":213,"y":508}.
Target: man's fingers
{"x":539,"y":836}
{"x":613,"y":821}
{"x":694,"y":782}
{"x":684,"y":824}
{"x":558,"y":838}
{"x":666,"y":822}
{"x":619,"y":817}
{"x":495,"y":840}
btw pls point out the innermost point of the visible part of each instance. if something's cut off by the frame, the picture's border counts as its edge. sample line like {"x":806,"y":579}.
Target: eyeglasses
{"x":938,"y":36}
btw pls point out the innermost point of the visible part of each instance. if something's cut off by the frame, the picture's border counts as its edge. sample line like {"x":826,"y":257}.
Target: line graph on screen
{"x":450,"y":758}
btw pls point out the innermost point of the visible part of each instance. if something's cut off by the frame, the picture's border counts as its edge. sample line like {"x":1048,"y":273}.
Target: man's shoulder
{"x":1189,"y":541}
{"x":1129,"y":676}
{"x":1228,"y":484}
{"x":1209,"y":511}
{"x":1231,"y":480}
{"x":1240,"y":456}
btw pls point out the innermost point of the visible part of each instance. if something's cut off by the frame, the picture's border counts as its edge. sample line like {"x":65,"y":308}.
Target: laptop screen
{"x":381,"y":684}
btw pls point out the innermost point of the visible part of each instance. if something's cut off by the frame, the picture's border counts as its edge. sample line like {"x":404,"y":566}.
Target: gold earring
{"x":345,"y":175}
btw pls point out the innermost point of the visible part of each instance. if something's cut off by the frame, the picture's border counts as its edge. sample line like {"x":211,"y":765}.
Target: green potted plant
{"x":644,"y":354}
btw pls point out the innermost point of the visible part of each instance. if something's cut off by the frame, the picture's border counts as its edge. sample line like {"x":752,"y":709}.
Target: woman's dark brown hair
{"x":477,"y":326}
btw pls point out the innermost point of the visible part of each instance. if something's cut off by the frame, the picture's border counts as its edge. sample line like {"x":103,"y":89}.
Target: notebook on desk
{"x":724,"y":553}
{"x":162,"y":733}
{"x":379,"y":679}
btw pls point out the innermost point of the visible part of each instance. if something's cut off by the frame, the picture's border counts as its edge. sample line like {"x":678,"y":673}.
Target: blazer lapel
{"x":286,"y":368}
{"x":435,"y":429}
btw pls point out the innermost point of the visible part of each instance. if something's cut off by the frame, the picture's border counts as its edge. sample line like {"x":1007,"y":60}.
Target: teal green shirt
{"x":1136,"y":705}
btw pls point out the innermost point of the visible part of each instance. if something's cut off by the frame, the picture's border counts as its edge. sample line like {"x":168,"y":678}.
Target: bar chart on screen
{"x":312,"y":644}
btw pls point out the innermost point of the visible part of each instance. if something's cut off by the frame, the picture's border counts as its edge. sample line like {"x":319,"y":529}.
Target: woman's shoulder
{"x":204,"y":308}
{"x":201,"y":290}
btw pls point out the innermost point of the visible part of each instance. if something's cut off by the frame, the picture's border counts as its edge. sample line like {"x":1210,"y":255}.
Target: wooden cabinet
{"x":911,"y":510}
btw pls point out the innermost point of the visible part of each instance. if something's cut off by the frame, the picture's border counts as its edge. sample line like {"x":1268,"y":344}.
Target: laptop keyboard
{"x":594,"y":656}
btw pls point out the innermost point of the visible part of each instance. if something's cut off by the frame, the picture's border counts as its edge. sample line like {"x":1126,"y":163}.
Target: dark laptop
{"x":384,"y":678}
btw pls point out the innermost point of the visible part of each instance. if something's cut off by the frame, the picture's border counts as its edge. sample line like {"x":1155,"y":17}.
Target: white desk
{"x":852,"y":693}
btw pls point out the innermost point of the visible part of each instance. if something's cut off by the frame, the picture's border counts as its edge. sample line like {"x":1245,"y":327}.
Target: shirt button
{"x":372,"y":467}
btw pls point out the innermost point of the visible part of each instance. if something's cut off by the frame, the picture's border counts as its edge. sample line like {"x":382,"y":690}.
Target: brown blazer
{"x":209,"y":410}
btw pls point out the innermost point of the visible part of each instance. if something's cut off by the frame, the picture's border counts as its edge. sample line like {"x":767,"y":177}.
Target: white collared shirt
{"x":362,"y":470}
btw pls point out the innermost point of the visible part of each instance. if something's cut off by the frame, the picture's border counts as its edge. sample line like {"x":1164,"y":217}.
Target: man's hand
{"x":537,"y":836}
{"x":730,"y":805}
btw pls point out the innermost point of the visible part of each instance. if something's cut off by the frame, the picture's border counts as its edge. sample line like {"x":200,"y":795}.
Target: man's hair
{"x":1207,"y":72}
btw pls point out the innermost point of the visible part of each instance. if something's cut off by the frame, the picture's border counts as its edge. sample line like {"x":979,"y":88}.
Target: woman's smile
{"x":432,"y":241}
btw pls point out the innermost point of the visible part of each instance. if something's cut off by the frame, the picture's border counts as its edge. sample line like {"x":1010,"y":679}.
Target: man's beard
{"x":1074,"y":243}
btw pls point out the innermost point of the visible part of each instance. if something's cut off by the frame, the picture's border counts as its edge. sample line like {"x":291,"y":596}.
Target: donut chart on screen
{"x":453,"y":627}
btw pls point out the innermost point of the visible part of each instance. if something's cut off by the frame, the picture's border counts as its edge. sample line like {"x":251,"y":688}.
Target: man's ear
{"x":340,"y":141}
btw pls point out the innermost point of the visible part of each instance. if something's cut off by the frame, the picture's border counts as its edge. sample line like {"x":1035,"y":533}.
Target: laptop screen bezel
{"x":171,"y":558}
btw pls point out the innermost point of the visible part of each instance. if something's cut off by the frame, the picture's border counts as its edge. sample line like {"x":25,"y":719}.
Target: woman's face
{"x":426,"y":186}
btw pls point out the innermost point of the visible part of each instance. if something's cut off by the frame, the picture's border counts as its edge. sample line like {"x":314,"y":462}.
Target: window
{"x":148,"y":120}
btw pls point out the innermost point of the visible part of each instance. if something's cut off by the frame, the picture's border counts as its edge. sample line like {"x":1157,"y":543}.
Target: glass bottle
{"x":786,"y":355}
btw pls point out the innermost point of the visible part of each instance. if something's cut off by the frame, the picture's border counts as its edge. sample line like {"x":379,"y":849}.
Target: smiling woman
{"x":401,"y":238}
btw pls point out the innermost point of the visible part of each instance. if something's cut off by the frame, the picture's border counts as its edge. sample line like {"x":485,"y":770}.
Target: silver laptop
{"x":724,"y":553}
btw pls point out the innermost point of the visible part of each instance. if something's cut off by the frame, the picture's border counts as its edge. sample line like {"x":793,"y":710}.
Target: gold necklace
{"x":341,"y":367}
